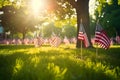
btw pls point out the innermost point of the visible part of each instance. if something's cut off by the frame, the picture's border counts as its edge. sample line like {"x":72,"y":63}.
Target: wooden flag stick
{"x":96,"y":50}
{"x":97,"y":43}
{"x":81,"y":49}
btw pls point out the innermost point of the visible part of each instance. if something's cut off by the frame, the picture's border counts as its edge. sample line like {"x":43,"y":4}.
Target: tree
{"x":68,"y":31}
{"x":82,"y":12}
{"x":7,"y":19}
{"x":50,"y":28}
{"x":17,"y":19}
{"x":65,"y":8}
{"x":24,"y":22}
{"x":108,"y":15}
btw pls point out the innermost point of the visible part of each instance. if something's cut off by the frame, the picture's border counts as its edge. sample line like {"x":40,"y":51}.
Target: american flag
{"x":101,"y":37}
{"x":38,"y":41}
{"x":66,"y":40}
{"x":55,"y":41}
{"x":83,"y":36}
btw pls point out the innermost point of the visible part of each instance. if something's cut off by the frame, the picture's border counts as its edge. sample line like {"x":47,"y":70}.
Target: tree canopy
{"x":108,"y":15}
{"x":22,"y":16}
{"x":62,"y":8}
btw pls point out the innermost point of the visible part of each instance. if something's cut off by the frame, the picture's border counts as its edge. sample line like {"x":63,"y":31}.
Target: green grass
{"x":25,"y":62}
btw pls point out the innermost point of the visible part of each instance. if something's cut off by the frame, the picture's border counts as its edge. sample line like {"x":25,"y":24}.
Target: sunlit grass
{"x":115,"y":46}
{"x":18,"y":66}
{"x":26,"y":62}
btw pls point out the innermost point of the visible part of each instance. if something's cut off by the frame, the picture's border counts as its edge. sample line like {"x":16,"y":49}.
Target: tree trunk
{"x":118,"y":31}
{"x":82,"y":10}
{"x":24,"y":33}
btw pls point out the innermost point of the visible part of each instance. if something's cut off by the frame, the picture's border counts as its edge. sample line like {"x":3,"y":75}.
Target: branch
{"x":72,"y":2}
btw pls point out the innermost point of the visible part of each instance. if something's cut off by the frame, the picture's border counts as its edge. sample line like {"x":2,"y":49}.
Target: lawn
{"x":26,"y":62}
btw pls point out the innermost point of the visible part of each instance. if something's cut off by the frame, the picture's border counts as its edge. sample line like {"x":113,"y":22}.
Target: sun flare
{"x":37,"y":5}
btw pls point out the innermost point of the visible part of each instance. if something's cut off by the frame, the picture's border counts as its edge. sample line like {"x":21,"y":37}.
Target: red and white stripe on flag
{"x":101,"y":37}
{"x":55,"y":41}
{"x":66,"y":40}
{"x":38,"y":41}
{"x":83,"y":36}
{"x":86,"y":42}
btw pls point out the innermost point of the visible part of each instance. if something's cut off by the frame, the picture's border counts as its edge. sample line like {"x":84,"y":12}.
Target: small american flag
{"x":38,"y":41}
{"x":66,"y":40}
{"x":83,"y":36}
{"x":55,"y":41}
{"x":101,"y":37}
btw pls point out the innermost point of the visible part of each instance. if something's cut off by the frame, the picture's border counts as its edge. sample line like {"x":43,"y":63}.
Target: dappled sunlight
{"x":100,"y":69}
{"x":18,"y":66}
{"x":32,"y":51}
{"x":57,"y":72}
{"x":62,"y":63}
{"x":20,"y":50}
{"x":112,"y":46}
{"x":35,"y":60}
{"x":6,"y":52}
{"x":52,"y":57}
{"x":115,"y":46}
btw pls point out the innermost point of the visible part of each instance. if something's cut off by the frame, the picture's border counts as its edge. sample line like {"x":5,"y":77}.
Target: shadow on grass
{"x":15,"y":47}
{"x":51,"y":65}
{"x":110,"y":56}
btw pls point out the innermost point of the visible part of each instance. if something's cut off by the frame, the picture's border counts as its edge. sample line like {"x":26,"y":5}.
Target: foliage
{"x":49,"y":29}
{"x":69,"y":31}
{"x":12,"y":20}
{"x":108,"y":15}
{"x":25,"y":62}
{"x":92,"y":25}
{"x":24,"y":26}
{"x":63,"y":9}
{"x":7,"y":18}
{"x":17,"y":36}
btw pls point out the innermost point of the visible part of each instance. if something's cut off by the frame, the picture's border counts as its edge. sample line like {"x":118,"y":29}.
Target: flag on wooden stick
{"x":83,"y":36}
{"x":66,"y":40}
{"x":55,"y":41}
{"x":101,"y":37}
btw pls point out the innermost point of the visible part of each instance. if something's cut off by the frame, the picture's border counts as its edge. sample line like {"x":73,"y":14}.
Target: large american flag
{"x":83,"y":36}
{"x":101,"y":37}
